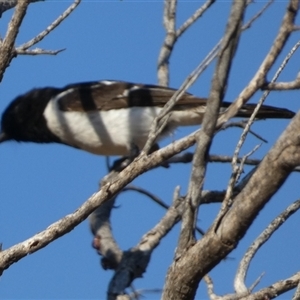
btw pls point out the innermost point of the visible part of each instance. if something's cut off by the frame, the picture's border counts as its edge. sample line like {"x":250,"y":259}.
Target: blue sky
{"x":42,"y":183}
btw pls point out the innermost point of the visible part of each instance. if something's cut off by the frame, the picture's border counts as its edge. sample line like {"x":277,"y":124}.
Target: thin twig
{"x":275,"y":289}
{"x":7,"y":45}
{"x":210,"y":288}
{"x":255,"y":17}
{"x":242,"y":124}
{"x":239,"y":282}
{"x":38,"y":51}
{"x":192,"y":19}
{"x":169,"y":20}
{"x":154,"y":198}
{"x":259,"y":78}
{"x":236,"y":173}
{"x":141,"y":292}
{"x":204,"y":139}
{"x":232,"y":181}
{"x":256,"y":282}
{"x":50,"y":28}
{"x":296,"y":295}
{"x":135,"y":261}
{"x":284,"y":85}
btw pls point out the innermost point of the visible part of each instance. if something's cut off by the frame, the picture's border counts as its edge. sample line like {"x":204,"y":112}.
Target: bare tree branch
{"x":297,"y":293}
{"x":192,"y":19}
{"x":255,"y":17}
{"x":208,"y":127}
{"x":172,"y":36}
{"x":275,"y":289}
{"x":138,"y":294}
{"x":170,"y":39}
{"x":135,"y":261}
{"x":50,"y":28}
{"x":7,"y":45}
{"x":283,"y":86}
{"x":154,"y":198}
{"x":187,"y":290}
{"x":258,"y":80}
{"x":235,"y":175}
{"x":239,"y":282}
{"x":210,"y":288}
{"x":220,"y":240}
{"x":104,"y":242}
{"x":38,"y":51}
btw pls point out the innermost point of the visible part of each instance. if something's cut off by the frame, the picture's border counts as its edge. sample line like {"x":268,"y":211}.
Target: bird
{"x":106,"y":117}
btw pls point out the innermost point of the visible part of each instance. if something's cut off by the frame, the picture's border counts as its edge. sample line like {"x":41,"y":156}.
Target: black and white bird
{"x":105,"y":117}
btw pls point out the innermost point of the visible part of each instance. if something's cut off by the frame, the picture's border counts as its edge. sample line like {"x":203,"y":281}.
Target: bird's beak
{"x":3,"y":137}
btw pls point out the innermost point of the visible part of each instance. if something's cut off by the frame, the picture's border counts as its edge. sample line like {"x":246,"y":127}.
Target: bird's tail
{"x":265,"y":112}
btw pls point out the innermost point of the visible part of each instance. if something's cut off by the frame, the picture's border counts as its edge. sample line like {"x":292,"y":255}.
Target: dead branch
{"x":256,"y":16}
{"x":226,"y":54}
{"x":135,"y":261}
{"x":297,"y":293}
{"x":192,"y":19}
{"x":38,"y":51}
{"x":239,"y":282}
{"x":172,"y":36}
{"x":275,"y":289}
{"x":224,"y":236}
{"x":210,"y":288}
{"x":284,"y":85}
{"x":155,"y":199}
{"x":258,"y":80}
{"x":50,"y":28}
{"x":7,"y":45}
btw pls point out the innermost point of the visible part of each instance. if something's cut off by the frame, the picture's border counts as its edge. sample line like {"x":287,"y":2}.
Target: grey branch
{"x":239,"y":282}
{"x":155,"y":199}
{"x":236,"y":170}
{"x":259,"y":189}
{"x":275,"y":289}
{"x":297,"y":293}
{"x":205,"y":137}
{"x":285,"y":85}
{"x":50,"y":28}
{"x":38,"y":51}
{"x":135,"y":261}
{"x":255,"y":17}
{"x":259,"y":78}
{"x":210,"y":288}
{"x":242,"y":124}
{"x":7,"y":46}
{"x":169,"y":20}
{"x":172,"y":35}
{"x":192,"y":19}
{"x":104,"y":242}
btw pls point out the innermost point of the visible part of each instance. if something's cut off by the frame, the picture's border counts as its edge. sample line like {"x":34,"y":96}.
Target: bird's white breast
{"x":109,"y":132}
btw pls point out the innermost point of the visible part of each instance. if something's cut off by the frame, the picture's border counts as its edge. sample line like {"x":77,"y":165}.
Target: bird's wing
{"x":107,"y":95}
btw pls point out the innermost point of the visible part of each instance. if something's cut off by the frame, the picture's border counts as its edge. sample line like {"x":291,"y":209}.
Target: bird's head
{"x":23,"y":119}
{"x":14,"y":120}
